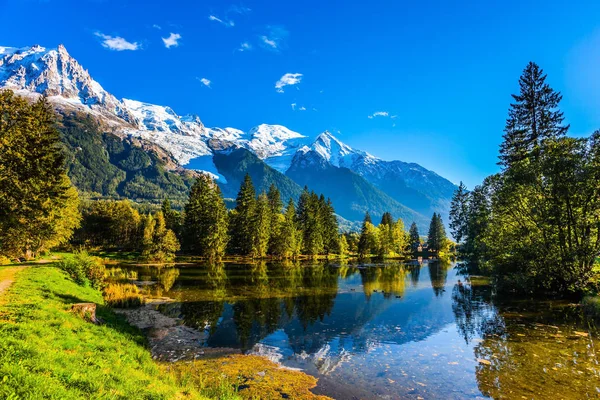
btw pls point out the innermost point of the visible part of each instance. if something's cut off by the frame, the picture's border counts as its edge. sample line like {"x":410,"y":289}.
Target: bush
{"x":84,"y":269}
{"x":123,"y":295}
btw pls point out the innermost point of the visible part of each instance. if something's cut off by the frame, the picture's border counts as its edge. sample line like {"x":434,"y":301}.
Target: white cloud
{"x":172,"y":40}
{"x":117,"y":43}
{"x":287,"y":80}
{"x":380,"y":114}
{"x":156,"y":26}
{"x":269,"y":42}
{"x":204,"y":81}
{"x":274,"y":38}
{"x":239,"y":9}
{"x":302,"y":108}
{"x":294,"y":106}
{"x":245,"y":46}
{"x":227,"y":23}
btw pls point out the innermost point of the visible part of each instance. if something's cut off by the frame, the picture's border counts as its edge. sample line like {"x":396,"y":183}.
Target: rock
{"x":86,"y":311}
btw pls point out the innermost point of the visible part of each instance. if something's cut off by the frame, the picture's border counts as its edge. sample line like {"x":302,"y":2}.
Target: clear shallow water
{"x":387,"y":330}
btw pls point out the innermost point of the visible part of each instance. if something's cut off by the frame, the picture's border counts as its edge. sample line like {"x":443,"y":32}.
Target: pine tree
{"x":276,"y":206}
{"x":414,"y":237}
{"x":343,"y":246}
{"x":261,"y":227}
{"x":206,"y":220}
{"x":289,"y":241}
{"x":172,"y":217}
{"x":533,"y":118}
{"x":459,"y":210}
{"x":436,"y":240}
{"x":311,"y":222}
{"x":330,"y":226}
{"x":38,"y":207}
{"x":387,"y":219}
{"x":242,"y":221}
{"x":368,"y":242}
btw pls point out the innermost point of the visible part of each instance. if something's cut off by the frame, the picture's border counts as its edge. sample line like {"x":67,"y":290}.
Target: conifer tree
{"x":289,"y":240}
{"x":242,"y":221}
{"x":414,"y":237}
{"x":436,"y":239}
{"x":172,"y":217}
{"x":459,"y":210}
{"x":386,"y":235}
{"x":276,"y":206}
{"x":38,"y":207}
{"x":331,"y":235}
{"x":261,"y":227}
{"x":343,"y":246}
{"x":533,"y":118}
{"x":368,"y":242}
{"x":206,"y":220}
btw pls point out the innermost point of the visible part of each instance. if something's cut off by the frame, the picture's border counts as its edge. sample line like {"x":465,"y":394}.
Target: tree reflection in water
{"x":390,"y":280}
{"x":542,"y":350}
{"x":438,"y":273}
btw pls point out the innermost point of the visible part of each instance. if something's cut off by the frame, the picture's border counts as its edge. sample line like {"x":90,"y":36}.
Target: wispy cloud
{"x":156,"y":26}
{"x":274,"y":38}
{"x":172,"y":40}
{"x":288,"y":79}
{"x":117,"y":43}
{"x":294,"y":106}
{"x":239,"y":9}
{"x":227,"y":23}
{"x":382,"y":114}
{"x":301,"y":108}
{"x":206,"y":82}
{"x":245,"y":46}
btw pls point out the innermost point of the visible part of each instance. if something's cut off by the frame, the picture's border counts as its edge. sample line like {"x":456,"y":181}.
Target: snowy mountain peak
{"x":54,"y":73}
{"x":336,"y":152}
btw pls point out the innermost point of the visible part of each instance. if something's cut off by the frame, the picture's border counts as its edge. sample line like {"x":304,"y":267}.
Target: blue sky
{"x":442,"y":71}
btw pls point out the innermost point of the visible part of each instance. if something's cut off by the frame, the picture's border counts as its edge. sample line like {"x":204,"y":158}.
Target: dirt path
{"x":7,"y":277}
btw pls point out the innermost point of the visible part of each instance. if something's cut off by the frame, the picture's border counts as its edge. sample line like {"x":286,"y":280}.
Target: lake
{"x":387,"y":330}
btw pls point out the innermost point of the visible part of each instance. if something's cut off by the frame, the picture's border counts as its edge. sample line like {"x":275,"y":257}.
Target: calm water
{"x":388,"y":330}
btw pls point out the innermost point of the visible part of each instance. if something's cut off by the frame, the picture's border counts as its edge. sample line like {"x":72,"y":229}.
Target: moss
{"x":253,"y":377}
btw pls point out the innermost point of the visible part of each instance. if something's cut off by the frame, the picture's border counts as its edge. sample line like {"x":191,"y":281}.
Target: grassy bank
{"x":48,"y":352}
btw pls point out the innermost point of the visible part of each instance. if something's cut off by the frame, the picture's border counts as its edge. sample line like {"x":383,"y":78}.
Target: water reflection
{"x":394,"y":331}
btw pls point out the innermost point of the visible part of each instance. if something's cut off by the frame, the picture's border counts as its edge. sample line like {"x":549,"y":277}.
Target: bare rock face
{"x":86,"y":311}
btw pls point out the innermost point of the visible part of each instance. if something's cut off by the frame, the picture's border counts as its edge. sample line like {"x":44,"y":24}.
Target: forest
{"x":40,"y":208}
{"x":535,"y":225}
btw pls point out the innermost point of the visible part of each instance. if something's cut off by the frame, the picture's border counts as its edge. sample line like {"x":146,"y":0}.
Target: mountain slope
{"x":408,"y":183}
{"x":352,"y":196}
{"x":155,"y":150}
{"x":234,"y":164}
{"x":103,"y":165}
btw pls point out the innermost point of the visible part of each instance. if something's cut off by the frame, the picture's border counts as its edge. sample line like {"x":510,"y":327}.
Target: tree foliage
{"x":536,"y":224}
{"x":38,"y":206}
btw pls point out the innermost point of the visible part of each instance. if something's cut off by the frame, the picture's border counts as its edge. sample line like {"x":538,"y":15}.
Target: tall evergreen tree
{"x":289,"y":240}
{"x":242,"y":220}
{"x":367,"y":244}
{"x":261,"y":226}
{"x":172,"y":217}
{"x":459,"y":210}
{"x":533,"y":118}
{"x":414,"y":237}
{"x":387,"y":219}
{"x":436,"y":238}
{"x":276,"y":206}
{"x":206,"y":220}
{"x":38,"y":206}
{"x":331,"y":235}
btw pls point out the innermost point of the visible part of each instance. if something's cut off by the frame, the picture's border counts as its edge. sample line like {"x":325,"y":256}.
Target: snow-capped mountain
{"x":35,"y":71}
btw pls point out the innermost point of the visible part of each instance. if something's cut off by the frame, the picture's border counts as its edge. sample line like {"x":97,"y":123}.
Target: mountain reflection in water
{"x":386,"y":330}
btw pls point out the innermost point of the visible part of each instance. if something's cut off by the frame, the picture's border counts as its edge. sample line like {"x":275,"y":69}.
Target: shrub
{"x":123,"y":295}
{"x":84,"y":269}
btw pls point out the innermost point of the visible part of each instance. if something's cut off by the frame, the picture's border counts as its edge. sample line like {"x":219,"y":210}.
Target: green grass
{"x":48,"y":352}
